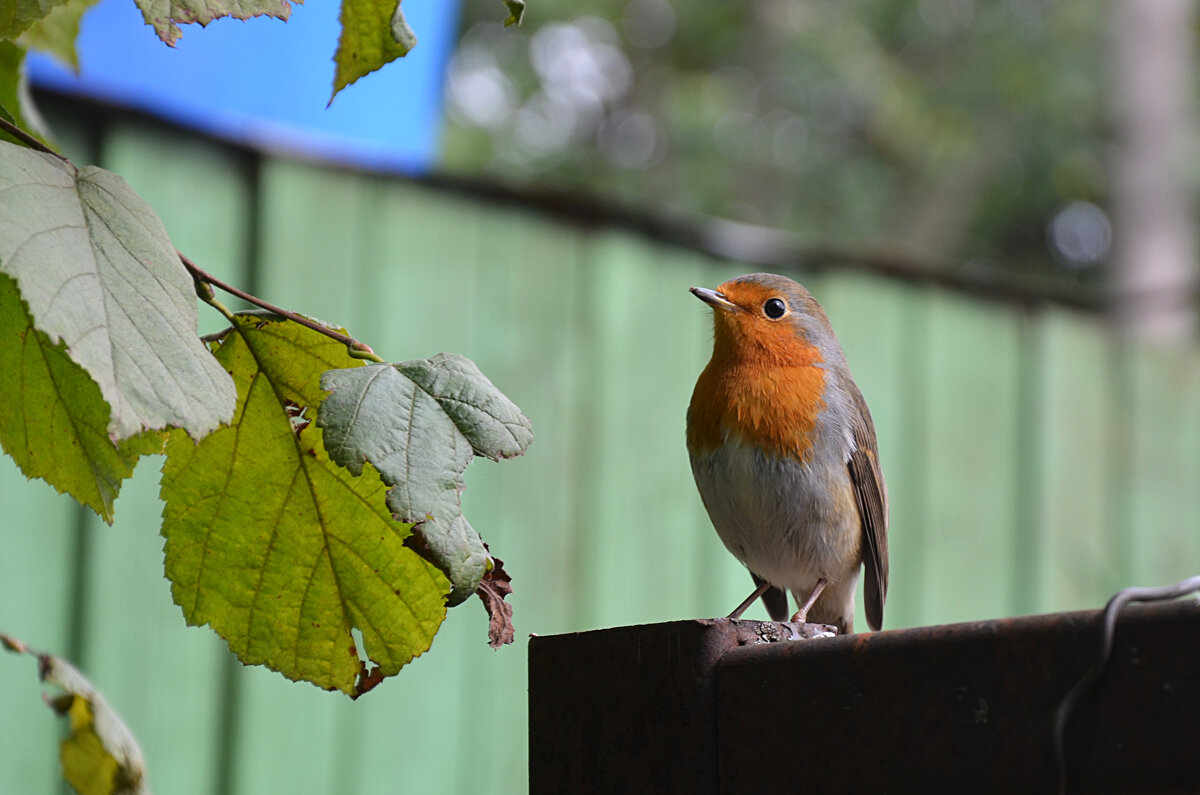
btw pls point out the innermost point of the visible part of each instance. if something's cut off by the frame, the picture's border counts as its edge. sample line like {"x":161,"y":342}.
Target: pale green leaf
{"x":374,"y":33}
{"x":99,"y":755}
{"x":54,"y":423}
{"x":17,"y":15}
{"x":56,"y":32}
{"x":492,"y":423}
{"x":97,"y":272}
{"x":420,"y":423}
{"x":279,"y":549}
{"x":165,"y":16}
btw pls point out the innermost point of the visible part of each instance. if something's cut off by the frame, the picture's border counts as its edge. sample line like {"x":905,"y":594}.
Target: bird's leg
{"x":759,"y":591}
{"x":802,"y":614}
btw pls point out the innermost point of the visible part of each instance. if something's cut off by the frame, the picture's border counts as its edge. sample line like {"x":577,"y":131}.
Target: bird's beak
{"x":713,"y":298}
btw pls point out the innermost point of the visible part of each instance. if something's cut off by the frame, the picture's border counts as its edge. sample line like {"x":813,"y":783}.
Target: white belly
{"x":788,"y":523}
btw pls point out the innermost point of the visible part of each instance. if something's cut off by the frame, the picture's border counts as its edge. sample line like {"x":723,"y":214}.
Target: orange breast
{"x":763,"y":383}
{"x":773,"y":407}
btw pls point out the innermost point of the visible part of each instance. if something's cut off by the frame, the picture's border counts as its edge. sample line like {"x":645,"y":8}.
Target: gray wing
{"x":870,"y":492}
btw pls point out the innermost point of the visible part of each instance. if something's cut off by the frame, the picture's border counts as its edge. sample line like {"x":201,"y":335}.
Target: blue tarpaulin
{"x":267,"y":82}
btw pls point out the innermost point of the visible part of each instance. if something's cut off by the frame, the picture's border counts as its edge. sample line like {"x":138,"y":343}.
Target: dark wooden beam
{"x":729,"y":706}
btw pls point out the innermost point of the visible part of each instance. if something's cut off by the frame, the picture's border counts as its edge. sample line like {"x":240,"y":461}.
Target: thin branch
{"x":27,"y":139}
{"x":359,"y":350}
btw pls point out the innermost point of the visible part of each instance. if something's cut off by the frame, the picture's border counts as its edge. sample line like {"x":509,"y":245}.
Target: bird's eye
{"x":774,"y":308}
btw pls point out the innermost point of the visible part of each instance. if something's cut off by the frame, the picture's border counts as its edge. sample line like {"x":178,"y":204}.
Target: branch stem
{"x":358,"y":350}
{"x":27,"y":139}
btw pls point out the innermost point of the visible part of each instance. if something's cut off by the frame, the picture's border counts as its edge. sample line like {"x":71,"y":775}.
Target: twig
{"x":359,"y":350}
{"x":1092,"y":676}
{"x":27,"y":139}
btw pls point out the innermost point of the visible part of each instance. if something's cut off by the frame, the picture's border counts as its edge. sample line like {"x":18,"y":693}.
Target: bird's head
{"x":765,"y":319}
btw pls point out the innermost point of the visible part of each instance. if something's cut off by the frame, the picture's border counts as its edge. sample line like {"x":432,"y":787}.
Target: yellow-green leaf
{"x":56,"y":32}
{"x":54,"y":423}
{"x":516,"y":12}
{"x":17,"y":15}
{"x":99,"y":755}
{"x":13,"y":89}
{"x":283,"y":552}
{"x":374,"y":33}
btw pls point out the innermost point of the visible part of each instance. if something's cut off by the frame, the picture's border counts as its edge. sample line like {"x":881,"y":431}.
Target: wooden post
{"x":730,"y":707}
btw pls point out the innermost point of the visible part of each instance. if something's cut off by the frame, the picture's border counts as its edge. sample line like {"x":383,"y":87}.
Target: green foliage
{"x":374,"y":33}
{"x":516,"y":12}
{"x":99,"y":754}
{"x":12,"y":56}
{"x":98,"y":273}
{"x":304,"y":564}
{"x":55,"y":420}
{"x":420,"y":423}
{"x":56,"y":32}
{"x":299,"y":562}
{"x":279,"y":549}
{"x":16,"y":16}
{"x":102,"y":332}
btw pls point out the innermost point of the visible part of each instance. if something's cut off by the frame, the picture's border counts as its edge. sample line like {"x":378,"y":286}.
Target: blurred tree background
{"x":950,"y":133}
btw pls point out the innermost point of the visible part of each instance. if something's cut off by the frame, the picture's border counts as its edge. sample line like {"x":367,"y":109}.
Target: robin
{"x":784,"y":454}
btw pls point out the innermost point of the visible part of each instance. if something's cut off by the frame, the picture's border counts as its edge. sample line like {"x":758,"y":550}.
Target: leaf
{"x":516,"y":12}
{"x":55,"y":421}
{"x":97,"y":272}
{"x":99,"y":756}
{"x":15,"y":105}
{"x":17,"y":15}
{"x":56,"y":32}
{"x":494,"y":587}
{"x":12,"y":86}
{"x":420,"y":423}
{"x":280,"y":550}
{"x":374,"y":33}
{"x":12,"y":61}
{"x":165,"y":16}
{"x":492,"y":423}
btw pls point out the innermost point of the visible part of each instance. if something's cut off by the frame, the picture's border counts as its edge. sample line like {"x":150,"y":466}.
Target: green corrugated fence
{"x":1035,"y":461}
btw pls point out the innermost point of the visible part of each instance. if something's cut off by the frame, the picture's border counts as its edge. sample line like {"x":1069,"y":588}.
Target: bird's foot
{"x":801,"y":615}
{"x":759,"y":591}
